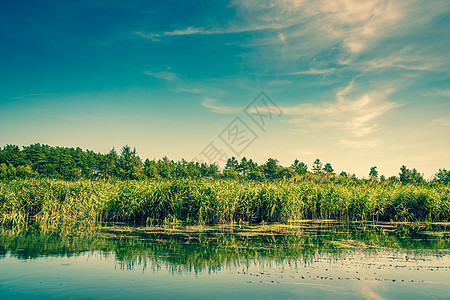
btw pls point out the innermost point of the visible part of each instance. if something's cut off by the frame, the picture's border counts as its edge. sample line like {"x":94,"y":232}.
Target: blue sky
{"x":359,"y":83}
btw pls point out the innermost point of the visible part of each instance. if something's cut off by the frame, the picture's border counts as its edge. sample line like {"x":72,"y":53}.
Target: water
{"x":308,"y":259}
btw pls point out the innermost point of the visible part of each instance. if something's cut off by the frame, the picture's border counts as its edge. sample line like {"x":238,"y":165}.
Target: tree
{"x":130,"y":165}
{"x":299,"y":167}
{"x":393,"y":179}
{"x":343,"y":174}
{"x":408,"y":176}
{"x":373,"y":174}
{"x":213,"y":171}
{"x":11,"y":154}
{"x":286,"y":173}
{"x":256,"y":174}
{"x":150,"y":169}
{"x":192,"y":170}
{"x":7,"y":171}
{"x":243,"y":167}
{"x":442,"y":176}
{"x":317,"y":166}
{"x":232,"y":164}
{"x":271,"y":168}
{"x":328,"y":168}
{"x":165,"y":168}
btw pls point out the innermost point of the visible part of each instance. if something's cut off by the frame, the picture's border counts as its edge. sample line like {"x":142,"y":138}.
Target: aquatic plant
{"x":217,"y":201}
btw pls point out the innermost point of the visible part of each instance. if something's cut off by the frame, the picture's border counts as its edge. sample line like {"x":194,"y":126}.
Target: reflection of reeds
{"x":218,"y":201}
{"x":211,"y":248}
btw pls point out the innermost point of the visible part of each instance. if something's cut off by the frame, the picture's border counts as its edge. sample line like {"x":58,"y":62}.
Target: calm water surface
{"x":314,"y":259}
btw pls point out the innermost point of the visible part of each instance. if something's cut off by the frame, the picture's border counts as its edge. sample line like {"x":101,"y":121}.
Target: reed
{"x":217,"y":201}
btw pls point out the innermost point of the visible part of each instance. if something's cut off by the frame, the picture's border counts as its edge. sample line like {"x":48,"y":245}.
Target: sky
{"x":354,"y":83}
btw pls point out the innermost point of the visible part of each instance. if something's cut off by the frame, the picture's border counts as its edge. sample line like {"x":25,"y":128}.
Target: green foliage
{"x":286,"y":173}
{"x":373,"y":174}
{"x":317,"y":166}
{"x":219,"y":201}
{"x":230,"y":174}
{"x":232,"y":164}
{"x":256,"y":174}
{"x":130,"y":165}
{"x":343,"y":174}
{"x":271,"y":168}
{"x":72,"y":164}
{"x":299,"y":167}
{"x":410,"y":176}
{"x":442,"y":176}
{"x":328,"y":169}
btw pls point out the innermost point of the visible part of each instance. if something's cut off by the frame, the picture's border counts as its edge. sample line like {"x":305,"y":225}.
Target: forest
{"x":43,"y":161}
{"x":44,"y":184}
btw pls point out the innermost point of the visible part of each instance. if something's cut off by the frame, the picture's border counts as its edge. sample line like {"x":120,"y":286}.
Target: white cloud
{"x":406,"y":60}
{"x":360,"y":143}
{"x":203,"y":31}
{"x":348,"y":29}
{"x":445,"y":93}
{"x":302,"y":29}
{"x":219,"y":108}
{"x":188,"y":90}
{"x":166,"y":75}
{"x":356,"y":116}
{"x":29,"y":96}
{"x":186,"y":31}
{"x":442,"y":122}
{"x":312,"y":72}
{"x":323,"y":23}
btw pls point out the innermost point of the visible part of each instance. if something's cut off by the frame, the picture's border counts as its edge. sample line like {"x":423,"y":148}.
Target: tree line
{"x":74,"y":163}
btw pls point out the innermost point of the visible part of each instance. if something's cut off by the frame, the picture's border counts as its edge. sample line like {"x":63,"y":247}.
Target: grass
{"x":217,"y":201}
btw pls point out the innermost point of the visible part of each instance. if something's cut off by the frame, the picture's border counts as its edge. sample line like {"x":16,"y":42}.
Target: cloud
{"x":353,"y":24}
{"x":391,"y":32}
{"x":188,"y":90}
{"x":351,"y":34}
{"x":187,"y":31}
{"x":27,"y":96}
{"x":166,"y":75}
{"x":219,"y":108}
{"x":356,"y":116}
{"x":360,"y":143}
{"x":406,"y":60}
{"x":312,"y":72}
{"x":445,"y":93}
{"x":441,"y":122}
{"x":203,"y":31}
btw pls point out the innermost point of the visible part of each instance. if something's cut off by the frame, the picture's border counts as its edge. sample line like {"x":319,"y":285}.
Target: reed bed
{"x":217,"y":201}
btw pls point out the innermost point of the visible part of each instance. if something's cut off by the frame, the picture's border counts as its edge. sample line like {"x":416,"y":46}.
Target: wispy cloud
{"x":352,"y":23}
{"x":166,"y":75}
{"x":187,"y":31}
{"x":360,"y":143}
{"x":356,"y":116}
{"x":188,"y":90}
{"x":27,"y":96}
{"x":406,"y":60}
{"x":204,"y":31}
{"x":441,"y":122}
{"x":219,"y":108}
{"x":391,"y":32}
{"x":445,"y":93}
{"x":312,"y":72}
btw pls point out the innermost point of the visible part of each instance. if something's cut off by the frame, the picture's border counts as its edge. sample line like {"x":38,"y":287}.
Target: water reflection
{"x":210,"y":247}
{"x":314,"y":259}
